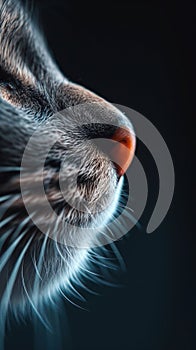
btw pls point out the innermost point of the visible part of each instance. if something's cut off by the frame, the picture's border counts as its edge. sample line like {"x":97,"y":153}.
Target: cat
{"x":36,"y":266}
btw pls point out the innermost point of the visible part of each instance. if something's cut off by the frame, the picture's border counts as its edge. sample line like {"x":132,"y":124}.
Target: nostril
{"x":123,"y":136}
{"x":123,"y":150}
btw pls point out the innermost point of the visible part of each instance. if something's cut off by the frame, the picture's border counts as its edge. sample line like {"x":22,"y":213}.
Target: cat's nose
{"x":123,"y":149}
{"x":117,"y":142}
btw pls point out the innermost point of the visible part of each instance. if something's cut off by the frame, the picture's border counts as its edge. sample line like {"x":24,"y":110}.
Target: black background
{"x":141,"y":55}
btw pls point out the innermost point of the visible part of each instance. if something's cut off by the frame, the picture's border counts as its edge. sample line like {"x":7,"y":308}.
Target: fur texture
{"x":34,"y":267}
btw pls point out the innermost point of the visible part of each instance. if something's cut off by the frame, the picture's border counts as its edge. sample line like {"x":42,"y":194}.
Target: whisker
{"x":41,"y":254}
{"x":45,"y":323}
{"x":9,"y":287}
{"x":78,"y":281}
{"x":71,"y":301}
{"x":5,"y":236}
{"x":8,"y":204}
{"x":4,"y":198}
{"x":5,"y":256}
{"x":7,"y":220}
{"x":35,"y":266}
{"x":9,"y":168}
{"x":74,"y":291}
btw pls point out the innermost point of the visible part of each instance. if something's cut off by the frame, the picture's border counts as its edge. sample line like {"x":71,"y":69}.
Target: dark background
{"x":141,"y":55}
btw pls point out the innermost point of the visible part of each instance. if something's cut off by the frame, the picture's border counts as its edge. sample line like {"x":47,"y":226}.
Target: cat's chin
{"x":50,"y":266}
{"x":85,"y":229}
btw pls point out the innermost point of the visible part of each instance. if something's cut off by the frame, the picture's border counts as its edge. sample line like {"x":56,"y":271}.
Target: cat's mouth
{"x":89,"y":197}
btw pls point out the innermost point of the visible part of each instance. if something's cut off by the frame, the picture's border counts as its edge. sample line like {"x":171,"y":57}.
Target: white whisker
{"x":71,"y":301}
{"x":46,"y":324}
{"x":5,"y":256}
{"x":9,"y":287}
{"x":5,"y":206}
{"x":7,"y":220}
{"x":9,"y":168}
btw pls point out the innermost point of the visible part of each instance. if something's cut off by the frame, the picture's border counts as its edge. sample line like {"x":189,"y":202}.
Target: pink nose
{"x":123,"y":150}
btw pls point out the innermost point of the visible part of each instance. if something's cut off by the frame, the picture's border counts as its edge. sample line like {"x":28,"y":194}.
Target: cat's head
{"x":36,"y":99}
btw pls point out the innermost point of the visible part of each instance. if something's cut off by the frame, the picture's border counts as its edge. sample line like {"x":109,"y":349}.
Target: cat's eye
{"x":8,"y":92}
{"x":8,"y":86}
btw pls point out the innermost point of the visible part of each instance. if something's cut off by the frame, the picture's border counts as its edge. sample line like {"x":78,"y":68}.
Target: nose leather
{"x":123,"y":149}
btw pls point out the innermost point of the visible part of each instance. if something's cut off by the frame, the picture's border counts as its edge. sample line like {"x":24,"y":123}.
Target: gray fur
{"x":32,"y":90}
